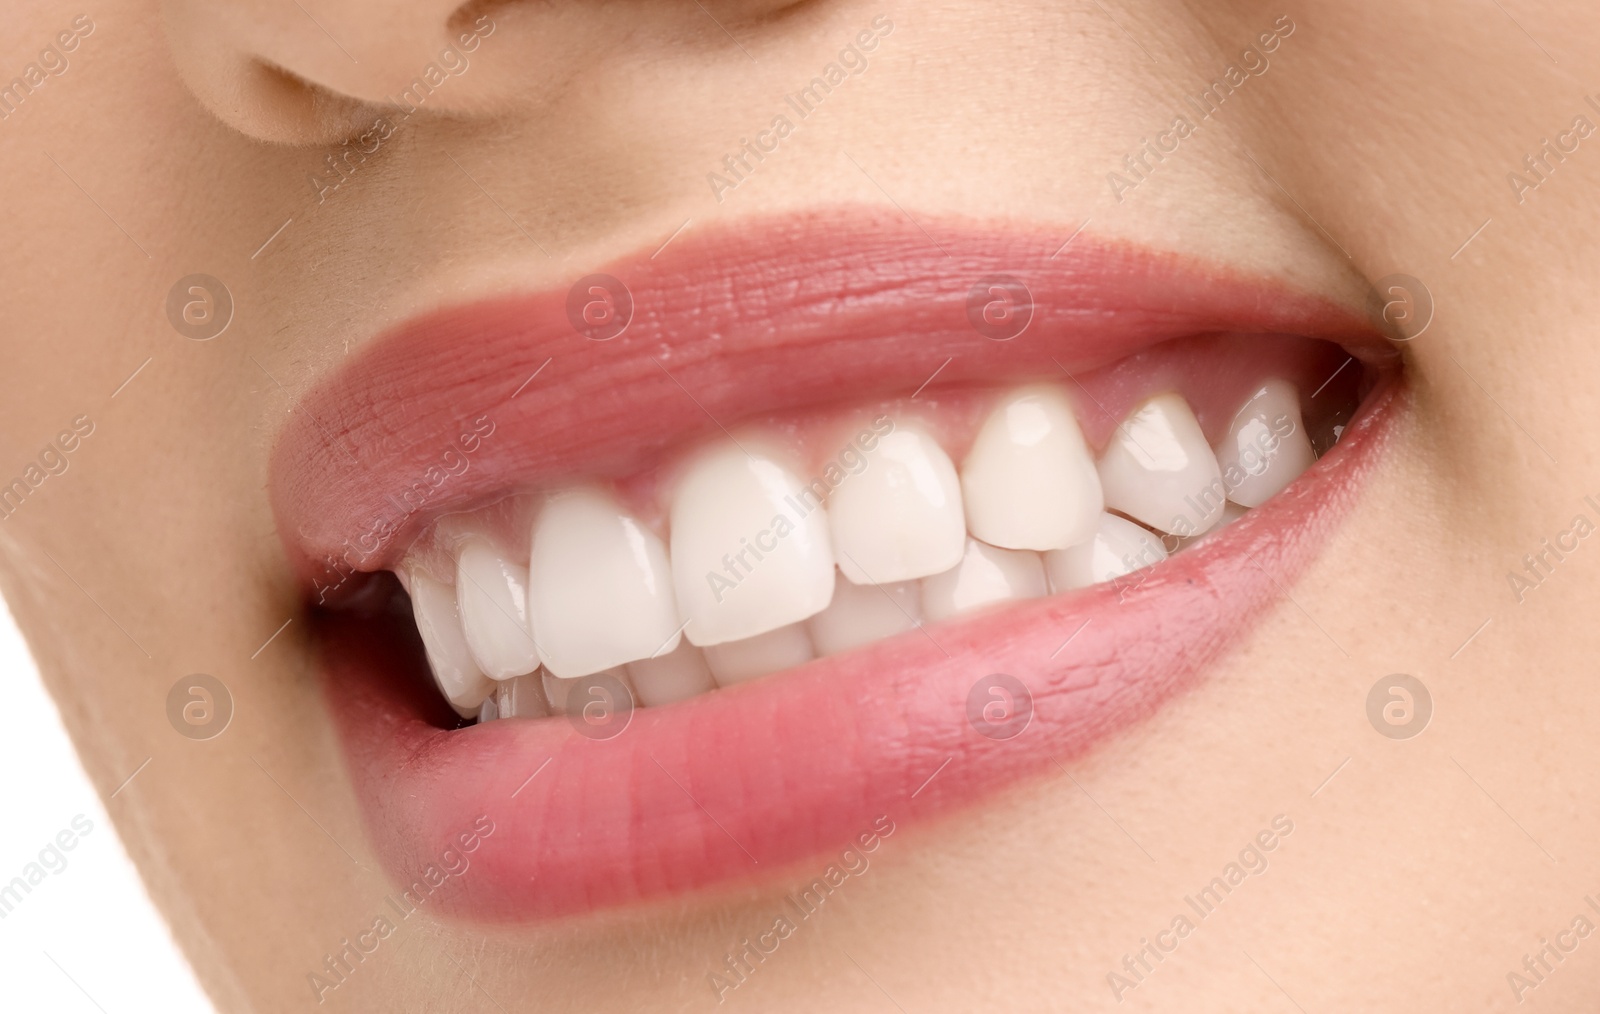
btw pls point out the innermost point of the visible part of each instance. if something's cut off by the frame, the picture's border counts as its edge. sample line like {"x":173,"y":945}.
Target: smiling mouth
{"x":726,"y":564}
{"x":823,"y":524}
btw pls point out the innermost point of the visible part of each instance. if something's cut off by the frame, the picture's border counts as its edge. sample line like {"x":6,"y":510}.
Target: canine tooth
{"x":560,"y":694}
{"x":985,"y":575}
{"x":1029,"y":481}
{"x":600,"y":585}
{"x":672,"y":676}
{"x":433,"y":603}
{"x":519,"y":697}
{"x":1266,"y":447}
{"x":752,"y":657}
{"x":1119,"y":547}
{"x":492,"y":596}
{"x":1159,"y":469}
{"x":860,"y":614}
{"x":900,"y":517}
{"x":750,"y":547}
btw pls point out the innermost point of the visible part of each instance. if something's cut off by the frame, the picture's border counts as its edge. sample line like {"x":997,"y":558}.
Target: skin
{"x":1415,"y":879}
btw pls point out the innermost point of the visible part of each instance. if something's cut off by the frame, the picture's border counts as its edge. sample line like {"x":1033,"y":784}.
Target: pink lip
{"x":743,"y":781}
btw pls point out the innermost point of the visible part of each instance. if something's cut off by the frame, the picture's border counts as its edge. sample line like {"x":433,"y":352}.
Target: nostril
{"x":468,"y":14}
{"x":281,"y":73}
{"x":249,"y":91}
{"x":291,"y":110}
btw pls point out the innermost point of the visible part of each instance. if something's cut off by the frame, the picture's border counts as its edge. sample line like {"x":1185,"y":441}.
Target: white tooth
{"x":901,"y":516}
{"x":555,"y":691}
{"x":600,"y":587}
{"x":519,"y":697}
{"x":671,"y":677}
{"x":753,"y":657}
{"x":984,"y":576}
{"x":561,"y":693}
{"x":1158,"y":469}
{"x":1119,"y":547}
{"x":1230,"y":513}
{"x":492,"y":594}
{"x":1029,"y":480}
{"x":1266,"y":447}
{"x":750,"y":547}
{"x":487,"y":711}
{"x":458,"y":677}
{"x":860,"y":614}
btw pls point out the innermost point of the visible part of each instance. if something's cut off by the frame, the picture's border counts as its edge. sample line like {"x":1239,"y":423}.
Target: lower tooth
{"x":458,"y":677}
{"x":678,"y":674}
{"x":738,"y":661}
{"x":566,"y":695}
{"x":1159,"y":470}
{"x":1119,"y":547}
{"x":860,"y":614}
{"x":1266,"y":447}
{"x":986,"y":575}
{"x":518,"y":697}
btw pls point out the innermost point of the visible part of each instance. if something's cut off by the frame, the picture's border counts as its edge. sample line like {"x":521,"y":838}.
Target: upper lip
{"x":728,"y":324}
{"x":725,"y":324}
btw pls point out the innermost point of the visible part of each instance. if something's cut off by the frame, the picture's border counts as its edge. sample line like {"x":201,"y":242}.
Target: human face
{"x":992,"y":264}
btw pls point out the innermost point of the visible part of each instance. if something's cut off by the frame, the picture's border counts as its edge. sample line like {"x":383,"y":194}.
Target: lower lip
{"x":741,"y":783}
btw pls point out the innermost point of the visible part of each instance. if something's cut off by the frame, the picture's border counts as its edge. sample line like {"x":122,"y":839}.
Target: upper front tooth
{"x":492,"y":594}
{"x":460,"y":680}
{"x":900,"y":517}
{"x":600,"y":586}
{"x":985,"y":575}
{"x":1266,"y":447}
{"x":1119,"y":547}
{"x":1159,"y":469}
{"x":1029,"y":481}
{"x":750,"y":546}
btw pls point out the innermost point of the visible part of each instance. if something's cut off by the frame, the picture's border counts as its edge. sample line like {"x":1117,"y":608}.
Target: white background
{"x":87,"y":938}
